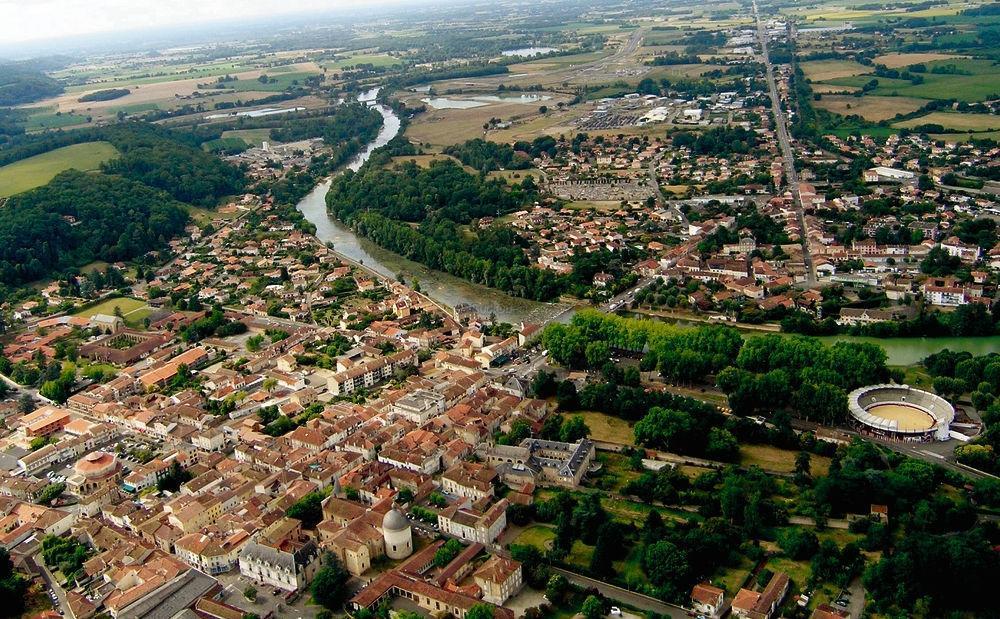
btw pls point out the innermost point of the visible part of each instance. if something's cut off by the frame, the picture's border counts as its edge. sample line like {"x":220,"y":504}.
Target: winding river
{"x":441,"y":287}
{"x":452,"y":291}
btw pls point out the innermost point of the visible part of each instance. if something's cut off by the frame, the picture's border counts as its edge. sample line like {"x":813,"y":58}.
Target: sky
{"x":34,"y":20}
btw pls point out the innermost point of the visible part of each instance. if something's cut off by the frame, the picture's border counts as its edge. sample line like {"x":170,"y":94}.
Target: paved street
{"x":781,"y":130}
{"x":637,"y":600}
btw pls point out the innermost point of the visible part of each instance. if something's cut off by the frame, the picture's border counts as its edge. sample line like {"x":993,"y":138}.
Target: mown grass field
{"x":607,"y":428}
{"x":869,"y":107}
{"x":127,"y":305}
{"x":780,"y":460}
{"x":955,"y":122}
{"x":536,"y":535}
{"x":40,"y":169}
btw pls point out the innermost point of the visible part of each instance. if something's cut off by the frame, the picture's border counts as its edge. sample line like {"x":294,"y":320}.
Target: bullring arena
{"x":900,"y":413}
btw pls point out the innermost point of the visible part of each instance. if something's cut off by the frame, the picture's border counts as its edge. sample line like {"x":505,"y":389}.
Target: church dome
{"x":394,"y":521}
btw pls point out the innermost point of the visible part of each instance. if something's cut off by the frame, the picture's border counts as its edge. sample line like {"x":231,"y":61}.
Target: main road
{"x":781,"y":130}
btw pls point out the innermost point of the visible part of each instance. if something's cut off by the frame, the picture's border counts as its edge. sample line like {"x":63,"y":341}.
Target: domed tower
{"x":397,"y":534}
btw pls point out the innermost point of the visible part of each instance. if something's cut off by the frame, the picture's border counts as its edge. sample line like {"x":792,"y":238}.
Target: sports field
{"x":907,"y":418}
{"x":40,"y":169}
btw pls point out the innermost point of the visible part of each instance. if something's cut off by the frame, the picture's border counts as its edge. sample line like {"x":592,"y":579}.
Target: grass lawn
{"x":607,"y":428}
{"x":955,"y":122}
{"x":731,"y":578}
{"x":40,"y":169}
{"x":798,"y":571}
{"x":537,"y":535}
{"x":516,"y":176}
{"x":127,"y":305}
{"x":781,"y":460}
{"x":916,"y":376}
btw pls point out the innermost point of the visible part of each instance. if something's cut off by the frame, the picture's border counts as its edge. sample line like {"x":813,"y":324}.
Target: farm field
{"x":898,"y":60}
{"x":40,"y":169}
{"x":872,"y":107}
{"x":441,"y":128}
{"x":50,"y":119}
{"x":974,"y":80}
{"x":954,"y":121}
{"x":822,"y":70}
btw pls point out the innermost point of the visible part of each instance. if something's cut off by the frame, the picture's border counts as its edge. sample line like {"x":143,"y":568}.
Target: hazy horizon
{"x":40,"y":22}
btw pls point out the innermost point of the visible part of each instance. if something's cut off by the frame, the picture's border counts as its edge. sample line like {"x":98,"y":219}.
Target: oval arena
{"x":900,"y":413}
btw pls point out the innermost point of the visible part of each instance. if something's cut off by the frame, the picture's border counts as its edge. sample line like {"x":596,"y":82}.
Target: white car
{"x":616,"y":612}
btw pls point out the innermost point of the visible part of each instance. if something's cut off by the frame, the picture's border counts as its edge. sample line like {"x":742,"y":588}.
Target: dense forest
{"x":488,"y":156}
{"x":444,"y":199}
{"x":78,"y":218}
{"x":157,"y":158}
{"x":104,"y":95}
{"x":22,"y":84}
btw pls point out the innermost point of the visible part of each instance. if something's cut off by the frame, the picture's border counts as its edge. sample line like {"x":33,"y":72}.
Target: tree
{"x":329,"y":587}
{"x":308,"y":509}
{"x":722,"y":445}
{"x":481,"y":610}
{"x":574,"y":429}
{"x":13,"y":587}
{"x":667,"y":567}
{"x":798,"y":544}
{"x":250,"y":593}
{"x":25,"y":403}
{"x":446,"y":553}
{"x":593,"y":607}
{"x":557,"y":588}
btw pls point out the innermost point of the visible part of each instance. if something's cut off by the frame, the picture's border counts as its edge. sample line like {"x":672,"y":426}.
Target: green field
{"x":254,"y":137}
{"x":376,"y":60}
{"x":51,"y":120}
{"x":981,"y":83}
{"x":40,"y":169}
{"x":133,"y":310}
{"x":277,"y":83}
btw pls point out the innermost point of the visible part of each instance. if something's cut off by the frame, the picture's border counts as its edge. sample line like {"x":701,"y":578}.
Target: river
{"x":441,"y":287}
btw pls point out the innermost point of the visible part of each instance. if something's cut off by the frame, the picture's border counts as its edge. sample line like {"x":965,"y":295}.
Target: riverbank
{"x":442,"y":288}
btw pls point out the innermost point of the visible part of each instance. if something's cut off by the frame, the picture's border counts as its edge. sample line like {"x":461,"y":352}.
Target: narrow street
{"x":632,"y":598}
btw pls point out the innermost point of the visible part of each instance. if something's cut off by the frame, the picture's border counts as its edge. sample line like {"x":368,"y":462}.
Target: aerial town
{"x":625,"y":310}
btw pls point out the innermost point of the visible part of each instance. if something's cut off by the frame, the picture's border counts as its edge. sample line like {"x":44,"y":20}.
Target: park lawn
{"x":954,"y":121}
{"x":127,"y":305}
{"x":870,"y":107}
{"x":40,"y":169}
{"x":537,"y":535}
{"x":822,"y":70}
{"x":780,"y":460}
{"x":607,"y":428}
